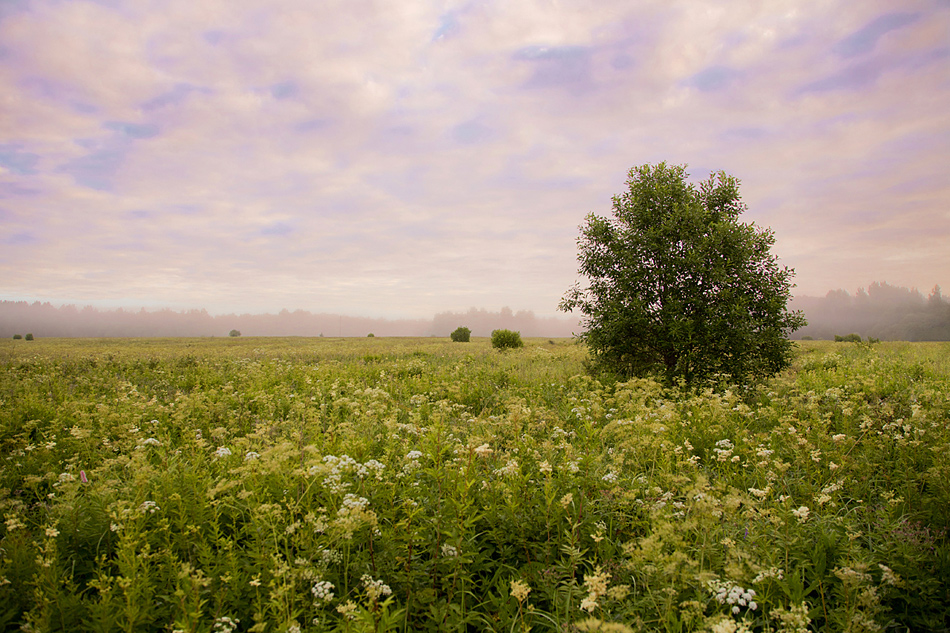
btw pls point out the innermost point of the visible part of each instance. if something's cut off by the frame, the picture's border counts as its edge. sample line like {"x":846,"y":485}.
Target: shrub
{"x":234,"y":333}
{"x":29,"y":337}
{"x":17,"y":337}
{"x":461,"y":335}
{"x":505,"y":339}
{"x":370,"y":335}
{"x":850,"y":338}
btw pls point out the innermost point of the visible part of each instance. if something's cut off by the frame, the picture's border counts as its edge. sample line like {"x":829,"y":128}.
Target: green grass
{"x":418,"y":484}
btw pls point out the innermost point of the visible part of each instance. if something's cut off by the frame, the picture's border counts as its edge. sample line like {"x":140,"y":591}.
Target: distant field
{"x":376,"y":484}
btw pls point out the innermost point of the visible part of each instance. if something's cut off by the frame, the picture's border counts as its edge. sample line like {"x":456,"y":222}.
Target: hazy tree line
{"x":47,"y":320}
{"x":882,"y":311}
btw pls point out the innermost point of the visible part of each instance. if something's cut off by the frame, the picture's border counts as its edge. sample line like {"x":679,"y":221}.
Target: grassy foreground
{"x":224,"y":485}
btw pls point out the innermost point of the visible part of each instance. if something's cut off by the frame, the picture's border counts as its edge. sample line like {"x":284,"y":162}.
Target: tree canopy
{"x":677,"y":285}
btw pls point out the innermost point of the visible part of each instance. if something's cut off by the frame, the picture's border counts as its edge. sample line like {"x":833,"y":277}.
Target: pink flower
{"x":82,"y":476}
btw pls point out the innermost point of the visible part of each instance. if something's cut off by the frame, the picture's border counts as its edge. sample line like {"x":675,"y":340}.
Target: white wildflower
{"x":449,"y":551}
{"x":801,"y":514}
{"x":323,"y":591}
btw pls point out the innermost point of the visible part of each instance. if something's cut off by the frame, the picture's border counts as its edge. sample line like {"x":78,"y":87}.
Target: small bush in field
{"x":370,"y":335}
{"x":17,"y":337}
{"x":29,"y":337}
{"x":234,"y":333}
{"x":505,"y":339}
{"x":850,"y":338}
{"x":461,"y":335}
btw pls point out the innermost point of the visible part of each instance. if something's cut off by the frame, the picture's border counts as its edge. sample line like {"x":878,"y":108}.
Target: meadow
{"x":288,"y":485}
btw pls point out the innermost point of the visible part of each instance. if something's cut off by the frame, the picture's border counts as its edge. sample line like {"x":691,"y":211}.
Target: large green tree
{"x":677,"y":285}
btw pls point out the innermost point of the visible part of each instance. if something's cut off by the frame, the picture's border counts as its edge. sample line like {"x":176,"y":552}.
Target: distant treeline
{"x":47,"y":320}
{"x":881,"y":311}
{"x":888,"y":313}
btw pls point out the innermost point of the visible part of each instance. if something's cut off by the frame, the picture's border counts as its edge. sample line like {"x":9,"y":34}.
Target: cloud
{"x":559,"y":66}
{"x":17,"y":161}
{"x":713,"y":78}
{"x":865,"y":39}
{"x":404,"y":159}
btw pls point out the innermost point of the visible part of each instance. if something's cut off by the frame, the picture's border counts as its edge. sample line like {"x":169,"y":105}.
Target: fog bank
{"x":47,"y":320}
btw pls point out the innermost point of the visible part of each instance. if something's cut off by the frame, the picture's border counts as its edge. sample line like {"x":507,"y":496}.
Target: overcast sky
{"x":401,"y":158}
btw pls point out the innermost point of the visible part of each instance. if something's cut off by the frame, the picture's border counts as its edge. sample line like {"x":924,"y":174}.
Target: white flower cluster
{"x":322,"y":591}
{"x":801,"y":513}
{"x":771,"y":572}
{"x":330,"y":556}
{"x":724,"y":450}
{"x":373,"y":466}
{"x":148,"y":507}
{"x":225,"y":624}
{"x":511,"y":468}
{"x":734,"y":595}
{"x":251,"y":455}
{"x":375,"y":589}
{"x":339,"y":466}
{"x":223,"y":451}
{"x":449,"y":551}
{"x":352,"y":502}
{"x":596,"y":586}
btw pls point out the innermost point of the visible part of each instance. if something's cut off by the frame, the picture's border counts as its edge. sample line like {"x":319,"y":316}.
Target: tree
{"x":461,"y":335}
{"x":678,"y":286}
{"x":234,"y":333}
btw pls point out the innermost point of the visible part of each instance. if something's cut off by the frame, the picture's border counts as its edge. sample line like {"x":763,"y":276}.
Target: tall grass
{"x":414,"y":484}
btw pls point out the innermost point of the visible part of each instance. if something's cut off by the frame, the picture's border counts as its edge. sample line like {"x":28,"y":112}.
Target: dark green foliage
{"x":17,"y":337}
{"x":848,"y":338}
{"x":506,"y":339}
{"x":234,"y":333}
{"x":29,"y":337}
{"x":370,"y":335}
{"x":461,"y":335}
{"x":678,"y":286}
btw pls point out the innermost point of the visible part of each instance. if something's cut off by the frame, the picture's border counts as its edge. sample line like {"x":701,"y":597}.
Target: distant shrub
{"x":808,"y":338}
{"x":872,"y":340}
{"x":461,"y":335}
{"x":17,"y":337}
{"x":850,"y":338}
{"x":370,"y":335}
{"x":234,"y":333}
{"x":505,"y":339}
{"x":29,"y":337}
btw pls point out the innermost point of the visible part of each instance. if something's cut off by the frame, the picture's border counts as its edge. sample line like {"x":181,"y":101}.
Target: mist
{"x":47,"y":320}
{"x":882,"y":311}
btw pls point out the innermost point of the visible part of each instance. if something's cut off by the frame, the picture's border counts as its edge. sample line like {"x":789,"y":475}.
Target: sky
{"x":402,"y":158}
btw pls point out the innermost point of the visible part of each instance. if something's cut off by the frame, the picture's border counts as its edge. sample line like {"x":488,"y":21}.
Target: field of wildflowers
{"x":242,"y":484}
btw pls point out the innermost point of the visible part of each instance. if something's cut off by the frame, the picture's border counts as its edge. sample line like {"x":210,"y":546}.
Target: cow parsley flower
{"x":323,"y":591}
